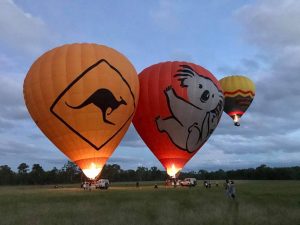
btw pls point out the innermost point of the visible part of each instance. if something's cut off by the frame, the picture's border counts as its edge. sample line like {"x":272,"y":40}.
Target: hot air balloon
{"x":239,"y":92}
{"x":179,"y":107}
{"x":83,"y":98}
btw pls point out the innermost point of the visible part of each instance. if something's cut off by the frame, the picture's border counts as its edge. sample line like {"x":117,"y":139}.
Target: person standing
{"x":232,"y":193}
{"x":205,"y":184}
{"x":90,"y":186}
{"x":226,"y":186}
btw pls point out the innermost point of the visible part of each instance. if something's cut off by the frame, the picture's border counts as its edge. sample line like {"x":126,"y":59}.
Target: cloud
{"x":10,"y":147}
{"x":132,"y":139}
{"x":14,"y":117}
{"x":271,"y":125}
{"x":14,"y":151}
{"x":22,"y":31}
{"x":245,"y":66}
{"x":123,"y":159}
{"x":271,"y":23}
{"x":5,"y":125}
{"x":181,"y":55}
{"x":10,"y":91}
{"x":6,"y":63}
{"x":12,"y":108}
{"x":36,"y":136}
{"x":22,"y":148}
{"x":243,"y":145}
{"x":269,"y":129}
{"x":53,"y":161}
{"x":242,"y":152}
{"x":165,"y":15}
{"x":132,"y":161}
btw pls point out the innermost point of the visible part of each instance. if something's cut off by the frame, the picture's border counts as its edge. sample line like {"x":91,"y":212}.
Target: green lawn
{"x":258,"y":202}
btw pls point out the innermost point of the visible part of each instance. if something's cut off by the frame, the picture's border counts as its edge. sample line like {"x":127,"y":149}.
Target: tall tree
{"x":6,"y":175}
{"x":142,"y":173}
{"x":72,"y":171}
{"x":37,"y":174}
{"x":22,"y":174}
{"x":23,"y":168}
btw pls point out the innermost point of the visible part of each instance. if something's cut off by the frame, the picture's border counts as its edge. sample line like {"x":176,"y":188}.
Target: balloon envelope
{"x":83,"y":98}
{"x":239,"y":92}
{"x":180,"y":105}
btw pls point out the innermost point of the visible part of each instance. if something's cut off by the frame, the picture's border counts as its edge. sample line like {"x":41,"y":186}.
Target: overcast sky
{"x":259,"y":39}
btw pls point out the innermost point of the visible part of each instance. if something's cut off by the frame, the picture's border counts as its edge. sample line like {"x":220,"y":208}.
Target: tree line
{"x":70,"y":173}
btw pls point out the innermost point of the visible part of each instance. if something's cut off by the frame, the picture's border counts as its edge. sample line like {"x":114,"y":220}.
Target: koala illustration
{"x":193,"y":121}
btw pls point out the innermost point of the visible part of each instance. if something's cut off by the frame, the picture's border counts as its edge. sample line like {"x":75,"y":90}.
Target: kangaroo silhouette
{"x":103,"y":99}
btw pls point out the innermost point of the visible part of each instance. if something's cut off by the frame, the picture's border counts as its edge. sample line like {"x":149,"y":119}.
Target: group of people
{"x":86,"y":186}
{"x":208,"y":184}
{"x":229,"y":186}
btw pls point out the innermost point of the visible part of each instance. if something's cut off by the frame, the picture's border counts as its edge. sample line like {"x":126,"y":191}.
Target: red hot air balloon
{"x":179,"y":107}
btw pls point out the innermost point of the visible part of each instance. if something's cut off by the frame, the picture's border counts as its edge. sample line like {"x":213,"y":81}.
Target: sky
{"x":259,"y":39}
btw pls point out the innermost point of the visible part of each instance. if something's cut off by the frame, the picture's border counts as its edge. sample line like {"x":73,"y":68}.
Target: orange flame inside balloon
{"x":236,"y":118}
{"x":172,"y":171}
{"x":93,"y":171}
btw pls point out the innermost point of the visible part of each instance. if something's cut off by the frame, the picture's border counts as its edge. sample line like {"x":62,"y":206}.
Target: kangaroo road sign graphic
{"x":101,"y":97}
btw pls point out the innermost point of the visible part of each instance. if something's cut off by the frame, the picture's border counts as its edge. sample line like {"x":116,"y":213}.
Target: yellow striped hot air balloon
{"x":239,"y":92}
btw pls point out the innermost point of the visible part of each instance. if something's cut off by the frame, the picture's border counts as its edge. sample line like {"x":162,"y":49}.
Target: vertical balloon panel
{"x":83,"y":98}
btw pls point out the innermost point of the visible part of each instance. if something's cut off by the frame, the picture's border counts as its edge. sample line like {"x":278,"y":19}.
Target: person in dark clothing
{"x":231,"y":190}
{"x":205,"y":184}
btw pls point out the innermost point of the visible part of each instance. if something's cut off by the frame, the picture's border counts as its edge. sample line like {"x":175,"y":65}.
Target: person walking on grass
{"x":231,"y":190}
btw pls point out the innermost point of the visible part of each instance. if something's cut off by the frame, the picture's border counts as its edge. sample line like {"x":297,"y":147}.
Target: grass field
{"x":258,"y":202}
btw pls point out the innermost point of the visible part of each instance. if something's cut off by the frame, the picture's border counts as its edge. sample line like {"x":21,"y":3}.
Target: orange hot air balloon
{"x":180,"y":105}
{"x":239,"y":92}
{"x":83,"y":98}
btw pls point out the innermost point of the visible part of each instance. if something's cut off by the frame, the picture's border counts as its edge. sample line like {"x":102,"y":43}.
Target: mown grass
{"x":258,"y":202}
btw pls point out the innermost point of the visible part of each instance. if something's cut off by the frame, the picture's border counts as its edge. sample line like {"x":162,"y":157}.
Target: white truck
{"x":102,"y":184}
{"x":189,"y":182}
